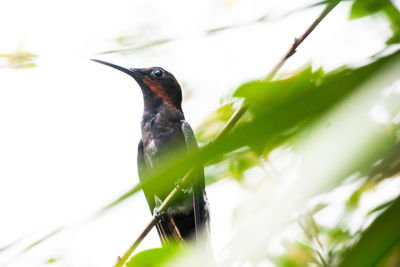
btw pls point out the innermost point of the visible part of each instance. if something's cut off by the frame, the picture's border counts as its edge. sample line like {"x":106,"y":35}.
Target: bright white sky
{"x":69,"y":127}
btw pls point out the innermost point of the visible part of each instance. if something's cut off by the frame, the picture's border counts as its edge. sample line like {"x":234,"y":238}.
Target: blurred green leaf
{"x":362,"y":8}
{"x":281,"y":108}
{"x":354,"y":199}
{"x":392,"y":259}
{"x":307,"y":250}
{"x":52,"y":260}
{"x":336,"y":240}
{"x":42,"y":239}
{"x":232,"y":165}
{"x":265,"y":96}
{"x":311,"y":230}
{"x":300,"y":253}
{"x":338,"y":234}
{"x":290,"y":260}
{"x":19,"y":59}
{"x":241,"y":162}
{"x":153,"y":257}
{"x":381,"y":207}
{"x":387,"y":167}
{"x":393,"y":15}
{"x":214,"y":122}
{"x":377,"y":240}
{"x":317,"y":208}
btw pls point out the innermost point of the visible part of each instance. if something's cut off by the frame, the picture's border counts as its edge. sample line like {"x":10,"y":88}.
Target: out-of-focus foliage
{"x":362,"y":8}
{"x":142,"y":40}
{"x":281,"y":113}
{"x":41,"y":240}
{"x":19,"y":59}
{"x":153,"y":257}
{"x":52,"y":260}
{"x":377,"y":240}
{"x":283,"y":110}
{"x":214,"y":122}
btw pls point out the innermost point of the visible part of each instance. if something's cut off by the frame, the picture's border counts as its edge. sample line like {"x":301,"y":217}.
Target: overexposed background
{"x":69,"y":127}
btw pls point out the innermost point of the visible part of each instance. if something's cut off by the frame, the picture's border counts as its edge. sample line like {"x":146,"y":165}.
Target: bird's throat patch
{"x":155,"y":88}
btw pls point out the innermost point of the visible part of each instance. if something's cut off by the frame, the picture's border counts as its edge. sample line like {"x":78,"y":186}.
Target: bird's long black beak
{"x":131,"y":72}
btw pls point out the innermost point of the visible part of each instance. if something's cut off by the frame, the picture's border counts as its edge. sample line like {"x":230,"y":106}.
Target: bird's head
{"x":158,"y":85}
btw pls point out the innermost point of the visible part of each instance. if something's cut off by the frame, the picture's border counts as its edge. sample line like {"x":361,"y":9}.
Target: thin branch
{"x":299,"y":40}
{"x":232,"y":121}
{"x":154,"y":220}
{"x":228,"y":126}
{"x":125,"y":257}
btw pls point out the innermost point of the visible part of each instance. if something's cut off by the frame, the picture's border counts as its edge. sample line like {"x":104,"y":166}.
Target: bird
{"x":164,"y":129}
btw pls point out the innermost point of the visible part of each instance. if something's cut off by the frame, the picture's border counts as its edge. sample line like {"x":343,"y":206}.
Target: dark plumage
{"x":164,"y":129}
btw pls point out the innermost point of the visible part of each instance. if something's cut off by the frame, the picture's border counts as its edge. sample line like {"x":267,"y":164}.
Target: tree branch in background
{"x":228,"y":126}
{"x":298,"y":41}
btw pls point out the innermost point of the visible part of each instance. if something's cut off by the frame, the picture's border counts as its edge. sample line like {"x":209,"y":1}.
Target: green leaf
{"x":354,"y":199}
{"x":362,"y":8}
{"x":153,"y":257}
{"x":287,"y":261}
{"x":214,"y":122}
{"x":338,"y":234}
{"x":20,"y":59}
{"x":240,"y":161}
{"x":265,"y":96}
{"x":42,"y":239}
{"x":377,"y":240}
{"x":393,"y":14}
{"x":282,"y":108}
{"x":52,"y":260}
{"x":381,"y":206}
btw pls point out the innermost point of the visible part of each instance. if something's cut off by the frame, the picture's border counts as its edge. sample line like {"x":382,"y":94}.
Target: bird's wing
{"x":166,"y":227}
{"x":199,"y":198}
{"x":142,"y":171}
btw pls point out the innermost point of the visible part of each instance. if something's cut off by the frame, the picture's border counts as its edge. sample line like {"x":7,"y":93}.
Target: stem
{"x":163,"y":208}
{"x":228,"y":127}
{"x":232,"y":120}
{"x":125,"y":257}
{"x":297,"y":41}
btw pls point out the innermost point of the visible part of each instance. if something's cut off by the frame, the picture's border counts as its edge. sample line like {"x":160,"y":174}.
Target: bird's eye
{"x":158,"y":73}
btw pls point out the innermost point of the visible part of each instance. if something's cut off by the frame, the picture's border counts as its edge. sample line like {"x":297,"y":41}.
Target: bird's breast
{"x":161,"y":133}
{"x":159,"y":141}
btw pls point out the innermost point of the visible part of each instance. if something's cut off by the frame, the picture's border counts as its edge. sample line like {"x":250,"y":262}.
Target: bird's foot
{"x":182,"y":188}
{"x":178,"y":185}
{"x":158,"y":214}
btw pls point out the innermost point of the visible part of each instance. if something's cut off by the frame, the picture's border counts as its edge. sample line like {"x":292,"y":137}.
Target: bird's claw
{"x":158,"y":214}
{"x":178,"y":185}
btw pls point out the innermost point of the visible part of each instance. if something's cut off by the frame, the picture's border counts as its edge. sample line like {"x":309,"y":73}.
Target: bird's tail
{"x":168,"y":230}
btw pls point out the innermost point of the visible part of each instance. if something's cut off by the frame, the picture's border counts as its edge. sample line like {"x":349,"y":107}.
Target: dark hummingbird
{"x":164,"y":129}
